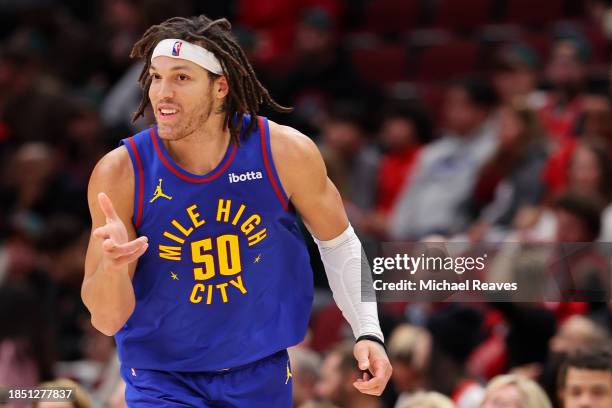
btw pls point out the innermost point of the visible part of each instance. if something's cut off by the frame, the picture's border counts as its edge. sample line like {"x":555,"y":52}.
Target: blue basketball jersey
{"x":226,"y":279}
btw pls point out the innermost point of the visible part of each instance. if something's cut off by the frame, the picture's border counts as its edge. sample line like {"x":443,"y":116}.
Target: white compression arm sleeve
{"x":342,"y":259}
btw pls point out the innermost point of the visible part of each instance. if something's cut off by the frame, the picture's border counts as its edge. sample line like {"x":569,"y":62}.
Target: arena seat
{"x":534,"y":13}
{"x":462,"y":15}
{"x":384,"y":64}
{"x":392,"y":16}
{"x":454,"y":59}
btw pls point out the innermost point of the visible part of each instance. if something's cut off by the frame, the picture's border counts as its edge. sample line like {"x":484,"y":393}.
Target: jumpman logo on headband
{"x":159,"y":193}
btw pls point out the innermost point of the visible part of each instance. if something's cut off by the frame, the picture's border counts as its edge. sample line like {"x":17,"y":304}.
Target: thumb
{"x":362,"y":355}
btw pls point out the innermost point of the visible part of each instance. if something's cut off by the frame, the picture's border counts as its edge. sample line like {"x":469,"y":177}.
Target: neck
{"x":201,"y":151}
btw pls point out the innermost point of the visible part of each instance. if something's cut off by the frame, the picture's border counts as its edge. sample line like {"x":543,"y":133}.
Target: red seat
{"x":534,"y":12}
{"x":384,"y":64}
{"x":452,"y":60}
{"x":392,"y":16}
{"x":462,"y":15}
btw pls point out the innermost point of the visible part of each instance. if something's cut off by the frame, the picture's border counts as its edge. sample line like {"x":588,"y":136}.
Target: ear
{"x":221,"y":87}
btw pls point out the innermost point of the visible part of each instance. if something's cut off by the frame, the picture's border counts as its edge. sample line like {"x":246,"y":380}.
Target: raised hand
{"x":117,"y":251}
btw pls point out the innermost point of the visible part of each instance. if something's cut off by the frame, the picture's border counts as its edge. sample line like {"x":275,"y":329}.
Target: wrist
{"x":373,"y":338}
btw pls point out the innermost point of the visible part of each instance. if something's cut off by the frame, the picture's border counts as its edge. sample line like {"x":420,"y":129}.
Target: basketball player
{"x":196,"y":263}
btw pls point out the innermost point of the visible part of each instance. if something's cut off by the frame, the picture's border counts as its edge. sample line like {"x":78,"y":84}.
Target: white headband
{"x":182,"y":49}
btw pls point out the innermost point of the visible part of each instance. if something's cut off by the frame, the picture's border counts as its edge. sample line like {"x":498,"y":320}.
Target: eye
{"x":155,"y":76}
{"x":182,"y":77}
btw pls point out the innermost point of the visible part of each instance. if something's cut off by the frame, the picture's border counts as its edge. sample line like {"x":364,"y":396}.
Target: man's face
{"x":461,"y":115}
{"x":344,"y":137}
{"x":586,"y":388}
{"x":397,"y":133}
{"x":181,"y":95}
{"x":565,"y":69}
{"x":571,"y":228}
{"x":330,"y":385}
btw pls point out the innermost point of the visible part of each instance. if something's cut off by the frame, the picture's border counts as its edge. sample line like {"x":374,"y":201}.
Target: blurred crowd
{"x":448,"y":120}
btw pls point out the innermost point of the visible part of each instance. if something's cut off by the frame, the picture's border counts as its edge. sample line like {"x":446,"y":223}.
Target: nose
{"x":585,"y":401}
{"x":165,"y":89}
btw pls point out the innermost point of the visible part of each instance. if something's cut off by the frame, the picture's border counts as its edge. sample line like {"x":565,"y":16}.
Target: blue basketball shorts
{"x":263,"y":383}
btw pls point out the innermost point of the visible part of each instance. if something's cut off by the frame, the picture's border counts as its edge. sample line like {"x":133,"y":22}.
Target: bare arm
{"x":304,"y":178}
{"x":113,"y":248}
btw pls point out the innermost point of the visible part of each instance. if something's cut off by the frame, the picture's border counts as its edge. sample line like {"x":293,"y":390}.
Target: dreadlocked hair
{"x":246,"y":93}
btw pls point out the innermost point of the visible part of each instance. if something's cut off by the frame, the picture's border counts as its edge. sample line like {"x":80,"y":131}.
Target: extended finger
{"x":107,"y":207}
{"x":129,"y":247}
{"x":127,"y":259}
{"x":114,"y":250}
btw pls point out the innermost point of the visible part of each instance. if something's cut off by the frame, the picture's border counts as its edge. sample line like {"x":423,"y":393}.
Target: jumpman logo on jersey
{"x":159,"y":193}
{"x":289,"y":375}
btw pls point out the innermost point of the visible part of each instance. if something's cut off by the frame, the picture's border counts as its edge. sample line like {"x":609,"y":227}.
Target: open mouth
{"x":167,"y":113}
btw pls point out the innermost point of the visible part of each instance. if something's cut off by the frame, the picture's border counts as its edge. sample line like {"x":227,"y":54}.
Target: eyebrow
{"x":175,"y":68}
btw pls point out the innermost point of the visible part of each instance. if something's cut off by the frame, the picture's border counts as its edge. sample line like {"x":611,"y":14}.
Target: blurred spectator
{"x":456,"y":331}
{"x":566,"y":72}
{"x":597,"y":116}
{"x":506,"y":182}
{"x":514,"y":391}
{"x":590,"y":170}
{"x":426,"y":400}
{"x":582,"y":270}
{"x":33,"y":183}
{"x":351,"y":162}
{"x":404,"y":131}
{"x":33,"y":105}
{"x":529,"y":330}
{"x":323,"y":75}
{"x":338,"y":373}
{"x":120,"y":26}
{"x":62,"y":246}
{"x":26,"y":346}
{"x":515,"y":76}
{"x":435,"y":198}
{"x":78,"y":398}
{"x":409,"y":349}
{"x":577,"y":332}
{"x":578,"y":217}
{"x":595,"y":128}
{"x":600,"y":13}
{"x":585,"y":380}
{"x":587,"y":174}
{"x":83,"y":145}
{"x":305,"y":370}
{"x":122,"y":99}
{"x":574,"y":333}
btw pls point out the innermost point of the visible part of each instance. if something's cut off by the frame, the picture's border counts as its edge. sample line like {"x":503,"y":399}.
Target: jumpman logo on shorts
{"x":289,"y":375}
{"x":159,"y":193}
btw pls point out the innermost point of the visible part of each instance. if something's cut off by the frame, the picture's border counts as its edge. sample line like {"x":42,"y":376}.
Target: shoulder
{"x":290,"y":144}
{"x":295,"y":156}
{"x":114,"y":166}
